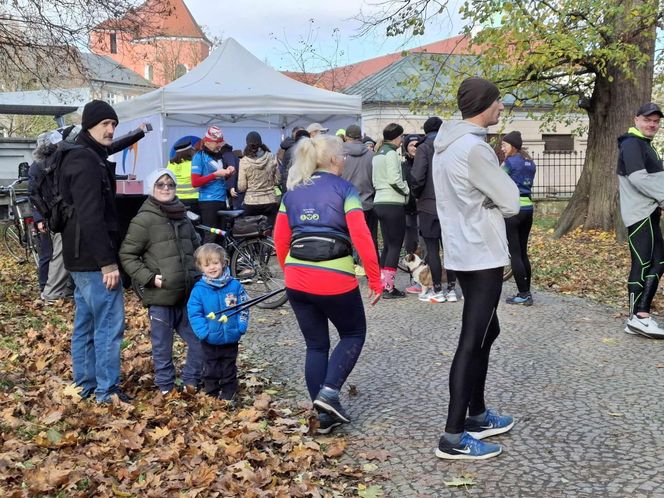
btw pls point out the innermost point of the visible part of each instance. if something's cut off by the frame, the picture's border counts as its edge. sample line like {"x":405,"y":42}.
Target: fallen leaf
{"x":380,"y":455}
{"x":460,"y":481}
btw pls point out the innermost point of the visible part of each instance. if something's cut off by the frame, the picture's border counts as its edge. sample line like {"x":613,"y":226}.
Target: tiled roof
{"x":106,"y":70}
{"x":345,"y":76}
{"x":179,"y":22}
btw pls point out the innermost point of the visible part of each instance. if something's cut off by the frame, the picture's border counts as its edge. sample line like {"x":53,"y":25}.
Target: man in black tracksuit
{"x":641,"y":183}
{"x":422,"y":184}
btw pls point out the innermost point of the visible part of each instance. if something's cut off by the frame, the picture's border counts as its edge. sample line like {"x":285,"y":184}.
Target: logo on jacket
{"x":309,"y":214}
{"x":231,"y":300}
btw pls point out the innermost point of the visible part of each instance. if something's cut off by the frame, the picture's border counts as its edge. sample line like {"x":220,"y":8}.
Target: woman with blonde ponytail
{"x":319,"y":221}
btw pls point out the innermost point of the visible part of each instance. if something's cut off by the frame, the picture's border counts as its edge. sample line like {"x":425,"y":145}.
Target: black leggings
{"x":392,"y":218}
{"x":269,"y":210}
{"x":518,"y":229}
{"x":346,"y":312}
{"x":209,"y":217}
{"x":433,"y":260}
{"x":479,"y":328}
{"x":412,"y":235}
{"x":647,"y":250}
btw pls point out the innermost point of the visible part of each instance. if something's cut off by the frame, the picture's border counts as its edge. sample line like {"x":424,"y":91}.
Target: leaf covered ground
{"x":584,"y":263}
{"x":53,"y":443}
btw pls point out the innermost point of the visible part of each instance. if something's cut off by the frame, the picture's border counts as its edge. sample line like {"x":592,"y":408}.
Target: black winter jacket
{"x":421,"y":178}
{"x":156,"y":245}
{"x":89,"y":238}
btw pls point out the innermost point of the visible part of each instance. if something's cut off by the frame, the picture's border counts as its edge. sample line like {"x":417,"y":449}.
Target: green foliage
{"x":548,"y":54}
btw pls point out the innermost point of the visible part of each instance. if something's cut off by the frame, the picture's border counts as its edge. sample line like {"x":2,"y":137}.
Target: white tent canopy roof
{"x":232,"y":81}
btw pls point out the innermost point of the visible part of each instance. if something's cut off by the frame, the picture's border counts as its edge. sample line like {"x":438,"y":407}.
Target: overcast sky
{"x":262,"y":26}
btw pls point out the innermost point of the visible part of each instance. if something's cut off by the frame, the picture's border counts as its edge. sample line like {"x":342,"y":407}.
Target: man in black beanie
{"x":473,"y":196}
{"x":90,"y":246}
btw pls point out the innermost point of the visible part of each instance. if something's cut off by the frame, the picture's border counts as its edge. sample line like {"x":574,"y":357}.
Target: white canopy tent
{"x":232,"y":89}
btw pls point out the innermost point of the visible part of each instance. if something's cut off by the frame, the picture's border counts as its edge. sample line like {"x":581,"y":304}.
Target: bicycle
{"x":19,"y":235}
{"x":252,"y":258}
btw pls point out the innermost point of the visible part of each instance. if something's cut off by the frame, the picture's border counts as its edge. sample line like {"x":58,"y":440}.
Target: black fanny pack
{"x":320,"y":247}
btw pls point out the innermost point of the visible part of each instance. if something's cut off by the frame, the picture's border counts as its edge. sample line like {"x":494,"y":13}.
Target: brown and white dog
{"x":419,"y":271}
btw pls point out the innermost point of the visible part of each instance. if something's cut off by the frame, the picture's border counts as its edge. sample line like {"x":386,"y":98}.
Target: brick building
{"x":167,"y":45}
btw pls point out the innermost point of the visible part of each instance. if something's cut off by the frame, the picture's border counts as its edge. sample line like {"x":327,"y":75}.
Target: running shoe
{"x":424,"y":296}
{"x":646,"y":327}
{"x":393,"y":294}
{"x":526,"y":300}
{"x":451,"y":296}
{"x":326,"y":423}
{"x":438,"y":297}
{"x":468,"y":448}
{"x":415,"y":288}
{"x":330,"y":404}
{"x":492,"y":425}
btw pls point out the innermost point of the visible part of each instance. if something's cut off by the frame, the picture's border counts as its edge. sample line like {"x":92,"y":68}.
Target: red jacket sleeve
{"x":200,"y":180}
{"x":361,"y":237}
{"x":282,"y":238}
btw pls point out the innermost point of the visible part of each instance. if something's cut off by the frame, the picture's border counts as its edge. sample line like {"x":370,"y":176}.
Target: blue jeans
{"x":97,"y":336}
{"x":164,"y":320}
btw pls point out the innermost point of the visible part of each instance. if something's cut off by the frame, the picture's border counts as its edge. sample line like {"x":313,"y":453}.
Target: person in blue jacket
{"x":521,"y":169}
{"x":215,"y":292}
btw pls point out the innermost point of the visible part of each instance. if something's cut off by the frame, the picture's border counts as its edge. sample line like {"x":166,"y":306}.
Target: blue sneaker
{"x":493,"y":425}
{"x":468,"y":448}
{"x":526,"y":300}
{"x":328,"y":402}
{"x":326,"y":423}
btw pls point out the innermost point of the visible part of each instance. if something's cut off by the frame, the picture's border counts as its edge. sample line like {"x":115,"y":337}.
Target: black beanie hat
{"x":392,"y":131}
{"x":475,"y":96}
{"x":514,"y":139}
{"x":432,"y":124}
{"x":95,"y":112}
{"x":254,"y":138}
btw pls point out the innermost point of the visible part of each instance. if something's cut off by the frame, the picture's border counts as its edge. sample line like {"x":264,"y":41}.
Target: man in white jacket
{"x":473,"y":196}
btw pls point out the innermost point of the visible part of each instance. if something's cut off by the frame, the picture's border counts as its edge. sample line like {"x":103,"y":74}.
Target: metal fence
{"x":557,"y":173}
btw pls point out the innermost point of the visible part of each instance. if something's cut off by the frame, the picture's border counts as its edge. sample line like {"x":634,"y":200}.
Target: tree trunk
{"x":614,"y":101}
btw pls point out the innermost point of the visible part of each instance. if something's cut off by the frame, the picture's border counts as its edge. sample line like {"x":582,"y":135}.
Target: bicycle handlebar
{"x":12,"y":185}
{"x":216,"y":231}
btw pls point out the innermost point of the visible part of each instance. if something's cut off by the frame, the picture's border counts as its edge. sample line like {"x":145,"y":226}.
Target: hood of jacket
{"x":633,"y":132}
{"x":356,"y":149}
{"x":451,"y":131}
{"x":287,"y":143}
{"x":259,"y":162}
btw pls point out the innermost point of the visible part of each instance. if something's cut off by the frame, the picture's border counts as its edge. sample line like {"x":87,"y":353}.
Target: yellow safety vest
{"x":183,"y":177}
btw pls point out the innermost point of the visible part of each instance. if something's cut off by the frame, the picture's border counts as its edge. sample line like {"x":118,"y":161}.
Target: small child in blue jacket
{"x":215,"y":292}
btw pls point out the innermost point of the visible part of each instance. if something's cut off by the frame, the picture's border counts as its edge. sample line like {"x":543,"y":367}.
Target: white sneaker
{"x":451,"y":296}
{"x":424,"y":296}
{"x":646,"y":327}
{"x":438,"y":297}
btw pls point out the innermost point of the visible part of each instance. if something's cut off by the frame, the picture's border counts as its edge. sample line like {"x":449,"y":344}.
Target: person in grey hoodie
{"x":473,"y":196}
{"x":357,"y":170}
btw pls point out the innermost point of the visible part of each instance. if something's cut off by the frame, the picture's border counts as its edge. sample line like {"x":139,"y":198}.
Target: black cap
{"x":353,"y":131}
{"x":514,"y":139}
{"x":254,"y":138}
{"x":648,"y":109}
{"x":95,"y":112}
{"x":432,"y":124}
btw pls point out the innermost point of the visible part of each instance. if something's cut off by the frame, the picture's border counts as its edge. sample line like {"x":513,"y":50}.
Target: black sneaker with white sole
{"x":326,"y":423}
{"x":330,"y":404}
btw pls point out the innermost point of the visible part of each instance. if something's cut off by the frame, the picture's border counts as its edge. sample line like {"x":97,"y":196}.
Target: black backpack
{"x":46,"y":195}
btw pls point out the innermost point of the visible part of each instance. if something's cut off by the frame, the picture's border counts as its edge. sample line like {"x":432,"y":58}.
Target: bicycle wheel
{"x":507,"y":273}
{"x":11,"y":237}
{"x":255,"y":264}
{"x":35,"y":243}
